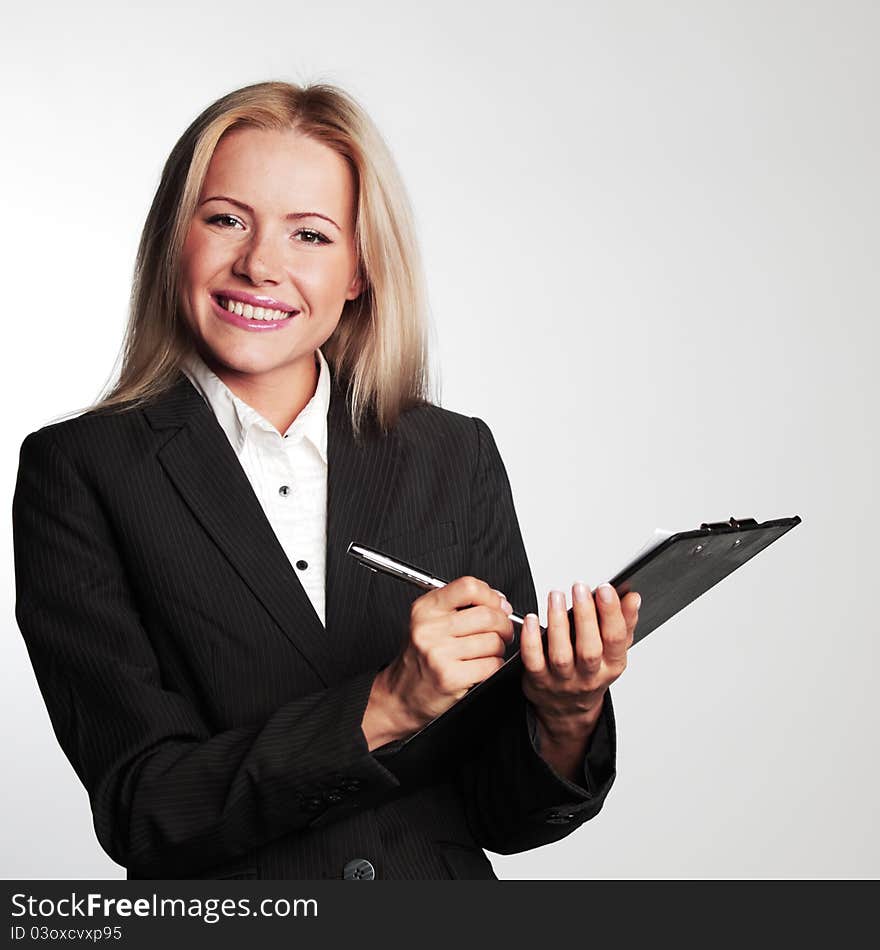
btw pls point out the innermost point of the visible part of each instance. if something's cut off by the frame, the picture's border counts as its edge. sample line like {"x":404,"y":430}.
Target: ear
{"x":355,"y":288}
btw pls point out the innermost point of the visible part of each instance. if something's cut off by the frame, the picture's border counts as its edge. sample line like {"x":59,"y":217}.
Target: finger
{"x":588,"y":647}
{"x":612,"y":625}
{"x":480,"y":619}
{"x":531,"y":648}
{"x":507,"y":631}
{"x":630,"y":605}
{"x":479,"y":645}
{"x":560,"y":655}
{"x":507,"y":610}
{"x":466,"y":591}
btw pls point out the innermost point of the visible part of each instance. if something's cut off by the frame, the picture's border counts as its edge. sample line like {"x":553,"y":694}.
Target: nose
{"x":260,"y":260}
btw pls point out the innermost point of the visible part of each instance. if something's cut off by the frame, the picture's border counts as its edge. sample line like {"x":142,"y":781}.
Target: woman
{"x":220,"y":674}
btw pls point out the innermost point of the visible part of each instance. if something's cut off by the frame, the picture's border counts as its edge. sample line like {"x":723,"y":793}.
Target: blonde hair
{"x":379,"y":347}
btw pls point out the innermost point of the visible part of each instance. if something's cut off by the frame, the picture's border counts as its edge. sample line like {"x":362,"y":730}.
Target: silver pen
{"x":377,"y":561}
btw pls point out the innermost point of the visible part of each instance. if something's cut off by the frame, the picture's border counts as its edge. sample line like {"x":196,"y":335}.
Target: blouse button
{"x":284,"y":490}
{"x":302,"y":565}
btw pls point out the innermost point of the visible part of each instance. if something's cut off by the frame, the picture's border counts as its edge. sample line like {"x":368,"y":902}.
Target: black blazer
{"x":214,"y":721}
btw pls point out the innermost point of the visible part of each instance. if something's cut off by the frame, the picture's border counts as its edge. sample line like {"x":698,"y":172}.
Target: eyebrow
{"x":293,"y":216}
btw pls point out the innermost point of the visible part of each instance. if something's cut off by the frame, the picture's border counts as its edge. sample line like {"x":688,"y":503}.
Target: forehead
{"x":280,"y":172}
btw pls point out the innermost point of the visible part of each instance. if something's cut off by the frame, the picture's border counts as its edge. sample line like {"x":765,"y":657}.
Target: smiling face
{"x":273,"y":228}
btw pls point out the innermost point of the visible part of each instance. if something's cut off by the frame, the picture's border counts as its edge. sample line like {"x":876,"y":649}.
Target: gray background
{"x":650,"y":233}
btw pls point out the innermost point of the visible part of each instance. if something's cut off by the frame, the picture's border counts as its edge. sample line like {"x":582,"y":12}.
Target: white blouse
{"x":288,"y":472}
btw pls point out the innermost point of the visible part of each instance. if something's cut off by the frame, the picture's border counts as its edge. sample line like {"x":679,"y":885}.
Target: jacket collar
{"x":361,"y":478}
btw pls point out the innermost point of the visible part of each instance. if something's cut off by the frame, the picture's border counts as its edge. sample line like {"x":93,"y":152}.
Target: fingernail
{"x":606,"y":593}
{"x":638,"y":601}
{"x":557,"y":601}
{"x":505,"y":606}
{"x":531,"y":622}
{"x":580,"y":592}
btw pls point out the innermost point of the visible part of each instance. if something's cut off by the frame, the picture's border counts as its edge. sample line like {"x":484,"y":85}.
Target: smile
{"x":250,"y":312}
{"x":248,"y":317}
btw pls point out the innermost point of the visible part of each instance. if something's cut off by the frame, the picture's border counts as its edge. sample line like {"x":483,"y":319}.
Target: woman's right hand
{"x":457,"y":638}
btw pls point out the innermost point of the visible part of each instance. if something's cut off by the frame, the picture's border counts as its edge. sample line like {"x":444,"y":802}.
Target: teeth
{"x":253,"y":313}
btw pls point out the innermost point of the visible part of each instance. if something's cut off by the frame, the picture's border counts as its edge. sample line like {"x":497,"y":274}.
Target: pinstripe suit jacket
{"x":214,"y":721}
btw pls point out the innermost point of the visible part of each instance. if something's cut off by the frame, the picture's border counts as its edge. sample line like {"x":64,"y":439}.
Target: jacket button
{"x":359,"y":869}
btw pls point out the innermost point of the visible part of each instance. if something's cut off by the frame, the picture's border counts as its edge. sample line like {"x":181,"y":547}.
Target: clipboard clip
{"x":734,"y":523}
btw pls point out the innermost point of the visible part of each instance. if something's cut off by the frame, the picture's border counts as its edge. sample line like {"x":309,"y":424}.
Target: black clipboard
{"x":669,"y":576}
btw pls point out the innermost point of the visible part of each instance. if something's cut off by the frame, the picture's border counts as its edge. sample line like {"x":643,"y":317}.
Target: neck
{"x":278,"y":396}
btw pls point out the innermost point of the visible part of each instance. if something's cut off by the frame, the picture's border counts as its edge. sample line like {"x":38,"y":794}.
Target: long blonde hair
{"x":380,"y":345}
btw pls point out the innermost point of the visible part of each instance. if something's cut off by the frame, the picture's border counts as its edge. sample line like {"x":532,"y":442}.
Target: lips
{"x":255,"y":300}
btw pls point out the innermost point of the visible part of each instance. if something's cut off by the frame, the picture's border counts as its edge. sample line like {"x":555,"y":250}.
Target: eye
{"x":223,"y":217}
{"x":313,"y":237}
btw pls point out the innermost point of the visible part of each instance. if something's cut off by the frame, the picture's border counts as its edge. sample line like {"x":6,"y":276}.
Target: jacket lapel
{"x":361,"y":476}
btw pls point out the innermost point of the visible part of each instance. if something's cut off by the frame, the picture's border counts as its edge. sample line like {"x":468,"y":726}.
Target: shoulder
{"x":105,"y":438}
{"x":444,"y":434}
{"x":428,"y":421}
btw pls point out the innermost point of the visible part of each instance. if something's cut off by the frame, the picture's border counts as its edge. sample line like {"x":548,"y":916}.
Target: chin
{"x":251,"y":363}
{"x":268,"y":360}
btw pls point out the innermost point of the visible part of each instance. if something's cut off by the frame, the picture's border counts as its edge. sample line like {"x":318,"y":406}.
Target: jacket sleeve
{"x":168,"y":797}
{"x":515,"y":800}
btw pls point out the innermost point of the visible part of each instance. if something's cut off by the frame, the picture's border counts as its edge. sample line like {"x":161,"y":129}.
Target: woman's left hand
{"x":567,"y":687}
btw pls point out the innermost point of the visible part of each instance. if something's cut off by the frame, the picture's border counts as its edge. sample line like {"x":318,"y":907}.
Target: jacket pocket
{"x":432,"y":537}
{"x":466,"y":862}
